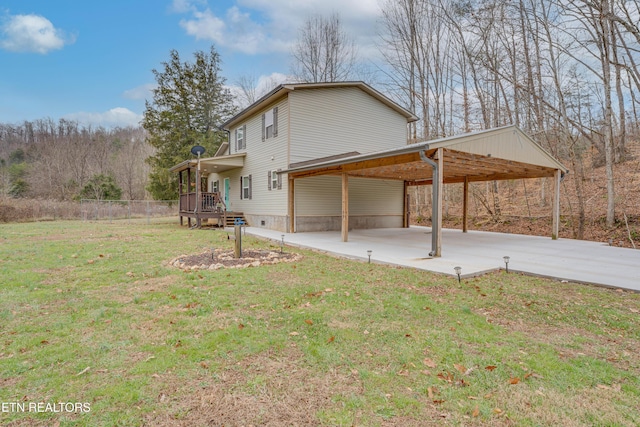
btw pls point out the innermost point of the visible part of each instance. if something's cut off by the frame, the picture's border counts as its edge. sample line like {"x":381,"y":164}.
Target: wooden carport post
{"x":345,"y":207}
{"x":465,"y":204}
{"x":292,"y":206}
{"x":555,"y":221}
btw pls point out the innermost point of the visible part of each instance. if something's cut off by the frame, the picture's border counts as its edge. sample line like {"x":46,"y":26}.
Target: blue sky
{"x":91,"y":61}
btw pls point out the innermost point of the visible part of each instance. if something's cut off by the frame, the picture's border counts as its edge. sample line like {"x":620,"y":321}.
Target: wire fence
{"x":95,"y":210}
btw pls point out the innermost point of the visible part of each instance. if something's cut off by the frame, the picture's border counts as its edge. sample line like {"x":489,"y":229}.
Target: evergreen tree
{"x":189,"y":103}
{"x":101,"y":187}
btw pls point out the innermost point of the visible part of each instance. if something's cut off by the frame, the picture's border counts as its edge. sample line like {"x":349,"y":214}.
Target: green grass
{"x":323,"y":341}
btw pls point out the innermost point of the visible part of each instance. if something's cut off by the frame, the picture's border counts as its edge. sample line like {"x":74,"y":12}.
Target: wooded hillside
{"x":66,"y":161}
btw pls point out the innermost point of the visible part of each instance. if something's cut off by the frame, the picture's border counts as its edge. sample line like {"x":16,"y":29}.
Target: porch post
{"x":555,"y":221}
{"x":196,"y":209}
{"x":465,"y":204}
{"x":345,"y":207}
{"x":437,"y":228}
{"x":180,"y":197}
{"x":292,"y":206}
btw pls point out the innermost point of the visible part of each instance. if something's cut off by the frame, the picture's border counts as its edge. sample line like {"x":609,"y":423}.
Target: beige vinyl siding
{"x":262,"y":156}
{"x":322,"y":196}
{"x":508,"y":144}
{"x":326,"y":122}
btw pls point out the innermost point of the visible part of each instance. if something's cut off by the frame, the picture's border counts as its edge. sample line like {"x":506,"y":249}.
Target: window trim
{"x":273,"y":112}
{"x":241,"y":141}
{"x":245,"y":184}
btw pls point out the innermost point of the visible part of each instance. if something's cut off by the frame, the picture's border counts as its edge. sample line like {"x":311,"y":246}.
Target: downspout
{"x":434,"y":199}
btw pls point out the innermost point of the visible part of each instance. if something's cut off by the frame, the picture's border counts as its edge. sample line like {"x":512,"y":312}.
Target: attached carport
{"x":497,"y":154}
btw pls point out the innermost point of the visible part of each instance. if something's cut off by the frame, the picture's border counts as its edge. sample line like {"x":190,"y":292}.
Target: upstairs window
{"x":241,"y":142}
{"x":270,"y":124}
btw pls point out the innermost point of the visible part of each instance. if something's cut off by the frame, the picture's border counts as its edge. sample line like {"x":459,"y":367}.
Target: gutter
{"x":434,"y":200}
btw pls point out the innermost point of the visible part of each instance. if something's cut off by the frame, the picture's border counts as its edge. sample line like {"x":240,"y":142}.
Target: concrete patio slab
{"x":478,"y":252}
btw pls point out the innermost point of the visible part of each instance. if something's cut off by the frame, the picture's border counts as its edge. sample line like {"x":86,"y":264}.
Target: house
{"x":292,"y":126}
{"x":334,"y":156}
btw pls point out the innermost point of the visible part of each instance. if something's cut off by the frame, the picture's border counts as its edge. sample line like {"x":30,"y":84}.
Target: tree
{"x":188,"y":105}
{"x":101,"y":187}
{"x":323,"y":51}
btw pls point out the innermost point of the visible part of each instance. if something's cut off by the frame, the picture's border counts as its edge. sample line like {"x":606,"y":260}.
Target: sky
{"x":92,"y":60}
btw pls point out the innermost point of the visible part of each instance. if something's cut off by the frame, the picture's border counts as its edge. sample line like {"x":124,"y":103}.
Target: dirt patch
{"x":215,"y":260}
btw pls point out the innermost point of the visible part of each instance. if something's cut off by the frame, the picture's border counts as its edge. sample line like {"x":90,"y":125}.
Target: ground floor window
{"x":274,"y":179}
{"x":245,"y":185}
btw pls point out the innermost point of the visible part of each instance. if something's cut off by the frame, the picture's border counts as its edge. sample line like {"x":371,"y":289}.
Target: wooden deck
{"x":204,"y":205}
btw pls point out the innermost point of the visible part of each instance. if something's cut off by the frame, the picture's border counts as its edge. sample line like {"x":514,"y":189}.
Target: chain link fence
{"x":94,"y":210}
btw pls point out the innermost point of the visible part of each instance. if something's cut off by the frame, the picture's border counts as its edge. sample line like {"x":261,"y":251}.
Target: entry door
{"x":227,"y":185}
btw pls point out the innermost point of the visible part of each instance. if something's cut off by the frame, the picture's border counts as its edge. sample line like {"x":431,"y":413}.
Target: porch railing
{"x":209,"y":202}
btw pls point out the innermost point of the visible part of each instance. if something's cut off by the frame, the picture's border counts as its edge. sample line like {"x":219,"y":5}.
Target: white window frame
{"x":268,"y":124}
{"x":215,"y":186}
{"x":241,"y":139}
{"x":246,"y":187}
{"x":274,"y":180}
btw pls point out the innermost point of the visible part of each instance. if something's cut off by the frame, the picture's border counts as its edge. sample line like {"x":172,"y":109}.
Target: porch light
{"x":282,"y":243}
{"x":369,"y":253}
{"x":506,"y":262}
{"x":458,"y":270}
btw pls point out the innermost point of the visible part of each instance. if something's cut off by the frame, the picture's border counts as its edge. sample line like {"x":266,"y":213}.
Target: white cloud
{"x":205,"y":25}
{"x":116,"y":117}
{"x":236,"y":31}
{"x":31,"y":33}
{"x":266,"y":26}
{"x":140,"y":93}
{"x":184,"y":6}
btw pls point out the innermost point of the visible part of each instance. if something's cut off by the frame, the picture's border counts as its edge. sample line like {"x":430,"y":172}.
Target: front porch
{"x":195,"y":201}
{"x":201,"y":205}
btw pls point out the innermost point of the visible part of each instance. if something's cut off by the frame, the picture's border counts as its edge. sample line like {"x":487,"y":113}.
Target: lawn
{"x":98,"y":331}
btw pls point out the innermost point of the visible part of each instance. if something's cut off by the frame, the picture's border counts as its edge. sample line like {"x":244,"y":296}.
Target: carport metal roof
{"x":496,"y":154}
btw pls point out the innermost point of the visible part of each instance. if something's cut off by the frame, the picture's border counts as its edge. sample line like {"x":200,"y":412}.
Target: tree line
{"x":565,"y":71}
{"x":64,"y":160}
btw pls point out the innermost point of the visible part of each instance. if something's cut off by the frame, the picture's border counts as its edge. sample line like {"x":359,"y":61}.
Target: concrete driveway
{"x":478,"y":252}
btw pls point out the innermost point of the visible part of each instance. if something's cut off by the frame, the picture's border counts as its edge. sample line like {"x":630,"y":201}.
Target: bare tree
{"x":250,"y":88}
{"x":323,"y":51}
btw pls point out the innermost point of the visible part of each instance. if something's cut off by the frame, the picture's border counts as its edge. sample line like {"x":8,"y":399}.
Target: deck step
{"x":232,"y":217}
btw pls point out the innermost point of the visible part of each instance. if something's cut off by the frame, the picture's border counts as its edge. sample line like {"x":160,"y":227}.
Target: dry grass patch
{"x":270,"y":388}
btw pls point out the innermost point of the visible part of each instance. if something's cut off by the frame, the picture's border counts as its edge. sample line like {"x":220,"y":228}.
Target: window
{"x":270,"y":124}
{"x":274,"y":180}
{"x":245,"y":187}
{"x":241,"y":142}
{"x":215,"y":186}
